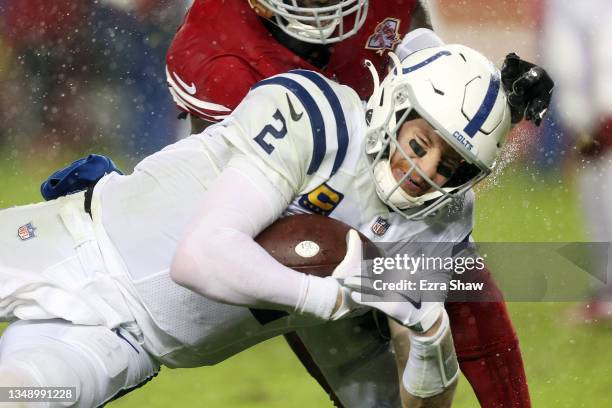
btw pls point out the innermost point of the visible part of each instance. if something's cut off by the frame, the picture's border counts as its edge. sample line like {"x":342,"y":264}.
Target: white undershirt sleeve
{"x":219,"y":259}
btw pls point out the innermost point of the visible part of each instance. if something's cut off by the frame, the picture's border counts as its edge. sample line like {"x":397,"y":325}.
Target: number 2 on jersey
{"x":271,"y":130}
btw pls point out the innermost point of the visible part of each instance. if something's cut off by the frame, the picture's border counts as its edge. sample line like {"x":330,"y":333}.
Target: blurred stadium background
{"x":80,"y":76}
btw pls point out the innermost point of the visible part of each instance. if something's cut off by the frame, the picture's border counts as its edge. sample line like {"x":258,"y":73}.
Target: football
{"x":311,"y":244}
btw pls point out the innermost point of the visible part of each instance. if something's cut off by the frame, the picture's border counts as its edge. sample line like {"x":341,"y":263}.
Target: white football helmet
{"x":458,"y":92}
{"x":326,"y":24}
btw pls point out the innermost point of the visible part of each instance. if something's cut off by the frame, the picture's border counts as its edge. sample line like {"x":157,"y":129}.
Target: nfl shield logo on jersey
{"x":380,"y":226}
{"x":385,"y":36}
{"x":26,"y":232}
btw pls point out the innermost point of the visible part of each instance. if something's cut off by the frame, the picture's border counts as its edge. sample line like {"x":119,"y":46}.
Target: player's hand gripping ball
{"x":315,"y":245}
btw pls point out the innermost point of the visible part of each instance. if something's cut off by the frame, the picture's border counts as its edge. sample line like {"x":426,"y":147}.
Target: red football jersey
{"x":223,"y":48}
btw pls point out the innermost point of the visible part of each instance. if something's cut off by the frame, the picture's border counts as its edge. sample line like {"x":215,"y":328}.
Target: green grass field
{"x":566,"y":366}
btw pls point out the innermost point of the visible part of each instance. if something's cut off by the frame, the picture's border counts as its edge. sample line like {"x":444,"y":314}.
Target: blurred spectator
{"x":576,"y":41}
{"x":81,"y":74}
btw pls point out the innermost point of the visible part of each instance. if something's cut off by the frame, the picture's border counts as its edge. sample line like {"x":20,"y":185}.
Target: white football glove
{"x":350,"y":265}
{"x":417,"y":315}
{"x":320,"y":295}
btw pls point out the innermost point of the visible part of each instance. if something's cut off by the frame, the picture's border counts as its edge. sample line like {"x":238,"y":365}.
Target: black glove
{"x":529,"y":89}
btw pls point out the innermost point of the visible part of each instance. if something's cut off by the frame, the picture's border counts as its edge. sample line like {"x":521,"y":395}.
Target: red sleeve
{"x":210,"y":90}
{"x":218,"y":53}
{"x":487,"y":347}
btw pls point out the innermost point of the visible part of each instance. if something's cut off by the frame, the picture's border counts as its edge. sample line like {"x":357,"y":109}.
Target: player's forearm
{"x":232,"y":268}
{"x":424,"y":377}
{"x":219,"y":259}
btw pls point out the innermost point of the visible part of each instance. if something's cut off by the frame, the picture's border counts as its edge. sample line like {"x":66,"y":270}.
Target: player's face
{"x":436,"y":158}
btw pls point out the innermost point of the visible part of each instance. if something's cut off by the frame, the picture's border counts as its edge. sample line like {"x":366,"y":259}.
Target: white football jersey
{"x":306,"y":135}
{"x":320,"y":158}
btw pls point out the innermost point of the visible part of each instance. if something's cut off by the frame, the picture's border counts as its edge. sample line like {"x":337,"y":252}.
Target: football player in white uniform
{"x":149,"y":275}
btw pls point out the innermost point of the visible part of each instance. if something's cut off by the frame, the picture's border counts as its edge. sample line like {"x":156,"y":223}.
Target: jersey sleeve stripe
{"x":485,"y":108}
{"x":334,"y":103}
{"x":314,"y":115}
